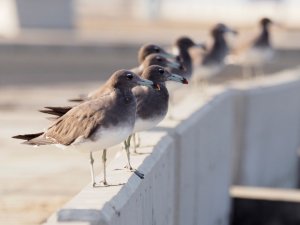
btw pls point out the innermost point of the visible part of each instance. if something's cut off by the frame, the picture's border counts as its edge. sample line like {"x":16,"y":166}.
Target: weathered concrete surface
{"x":268,"y":133}
{"x":204,"y":149}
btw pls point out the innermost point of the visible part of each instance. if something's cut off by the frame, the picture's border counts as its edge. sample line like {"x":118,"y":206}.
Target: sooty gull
{"x":98,"y":123}
{"x":212,"y":61}
{"x":152,"y":104}
{"x":257,"y":52}
{"x":181,"y":48}
{"x":147,"y":50}
{"x":158,"y":59}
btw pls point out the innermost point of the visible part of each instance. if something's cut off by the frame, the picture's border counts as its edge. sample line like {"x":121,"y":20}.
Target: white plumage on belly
{"x":142,"y":125}
{"x":103,"y":138}
{"x":204,"y":72}
{"x":257,"y":56}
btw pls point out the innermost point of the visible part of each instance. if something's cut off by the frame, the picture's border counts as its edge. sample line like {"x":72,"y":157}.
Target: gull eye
{"x":156,"y":49}
{"x":129,"y":76}
{"x":161,"y":71}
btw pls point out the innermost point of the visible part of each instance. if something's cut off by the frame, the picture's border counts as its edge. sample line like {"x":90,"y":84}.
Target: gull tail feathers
{"x":27,"y":137}
{"x":35,"y":139}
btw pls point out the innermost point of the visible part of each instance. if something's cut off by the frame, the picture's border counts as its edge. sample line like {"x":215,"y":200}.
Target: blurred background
{"x":52,"y":50}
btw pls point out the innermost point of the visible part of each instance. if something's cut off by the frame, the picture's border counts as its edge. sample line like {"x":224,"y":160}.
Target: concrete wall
{"x":268,"y":133}
{"x":204,"y":143}
{"x":249,"y":132}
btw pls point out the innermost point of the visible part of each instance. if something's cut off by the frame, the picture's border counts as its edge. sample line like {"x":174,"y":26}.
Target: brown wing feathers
{"x":69,"y":127}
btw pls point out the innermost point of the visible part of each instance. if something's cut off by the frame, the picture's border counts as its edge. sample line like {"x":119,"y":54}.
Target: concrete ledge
{"x":262,"y":206}
{"x":189,"y":169}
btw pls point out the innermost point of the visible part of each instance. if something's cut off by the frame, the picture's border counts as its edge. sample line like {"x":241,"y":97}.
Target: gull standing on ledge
{"x":256,"y":53}
{"x":152,"y":104}
{"x":181,"y":48}
{"x":147,"y":50}
{"x":209,"y":64}
{"x":96,"y":124}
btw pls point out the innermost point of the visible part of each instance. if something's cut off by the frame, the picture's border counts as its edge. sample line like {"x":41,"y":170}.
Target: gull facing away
{"x":96,"y":124}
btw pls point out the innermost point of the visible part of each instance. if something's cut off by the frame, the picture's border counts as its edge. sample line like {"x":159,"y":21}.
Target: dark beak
{"x":177,"y":78}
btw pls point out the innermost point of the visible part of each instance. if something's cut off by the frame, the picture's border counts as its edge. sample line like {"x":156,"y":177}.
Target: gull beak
{"x":201,"y":45}
{"x":168,"y":55}
{"x":144,"y":82}
{"x":229,"y":30}
{"x":279,"y":25}
{"x":235,"y":32}
{"x":177,"y":78}
{"x":174,"y":65}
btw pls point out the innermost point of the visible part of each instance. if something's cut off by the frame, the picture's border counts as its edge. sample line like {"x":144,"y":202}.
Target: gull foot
{"x":139,"y":174}
{"x":135,"y":171}
{"x":105,"y":184}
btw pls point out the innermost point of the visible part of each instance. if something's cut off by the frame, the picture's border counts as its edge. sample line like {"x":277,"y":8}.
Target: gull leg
{"x":203,"y":85}
{"x":127,"y":149}
{"x":246,"y":71}
{"x":104,"y":166}
{"x":127,"y":146}
{"x":196,"y":83}
{"x":200,"y":84}
{"x":92,"y":169}
{"x":171,"y":104}
{"x":258,"y":71}
{"x":136,"y":142}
